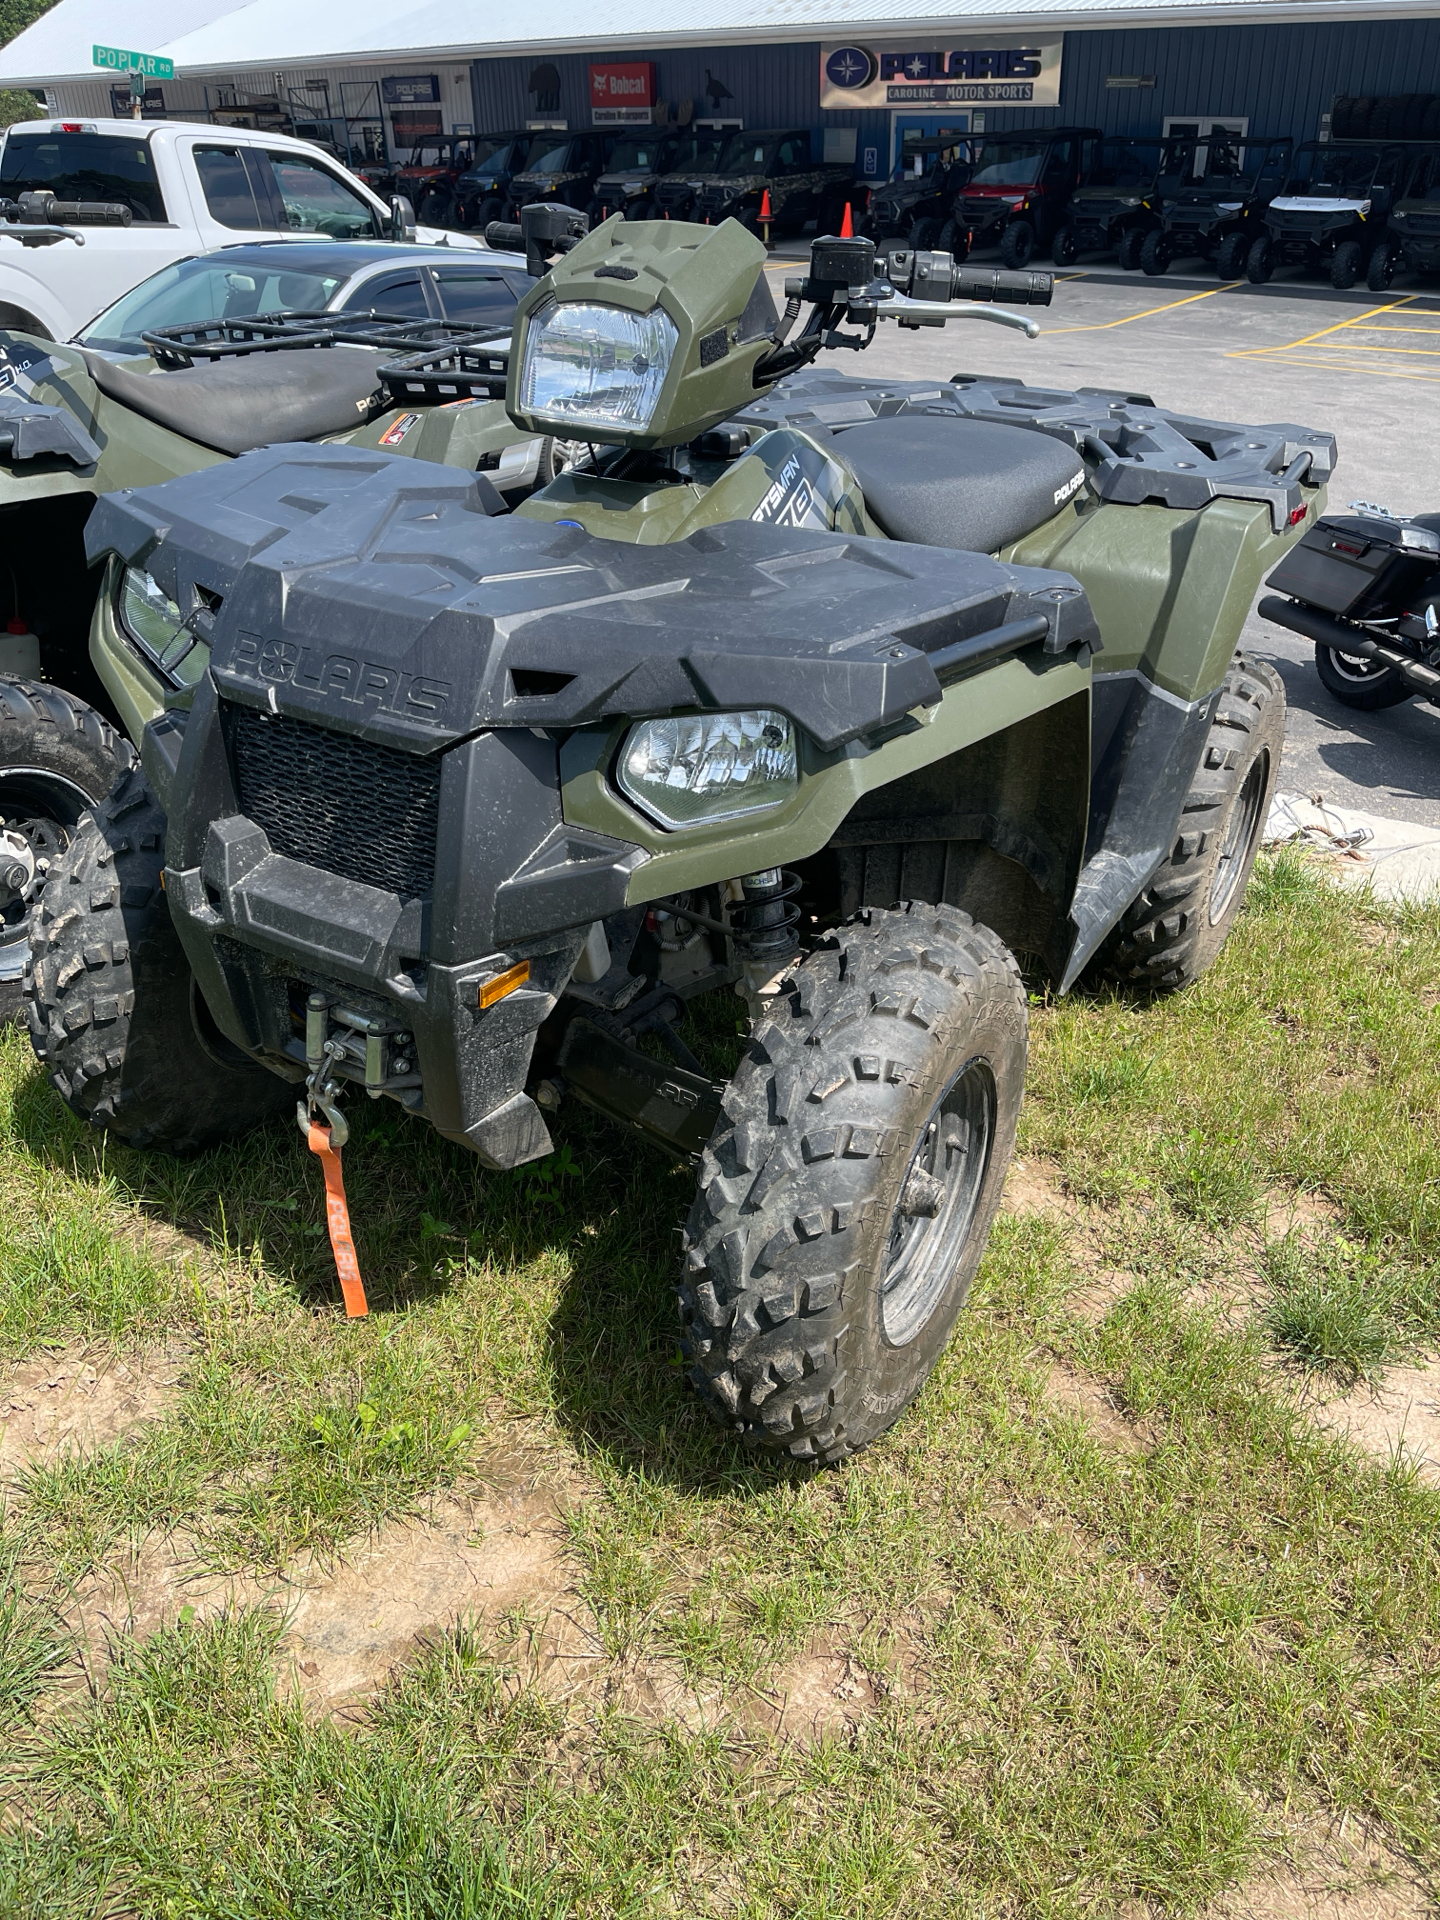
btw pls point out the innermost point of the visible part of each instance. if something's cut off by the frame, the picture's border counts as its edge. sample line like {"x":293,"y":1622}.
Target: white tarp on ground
{"x":1400,"y":860}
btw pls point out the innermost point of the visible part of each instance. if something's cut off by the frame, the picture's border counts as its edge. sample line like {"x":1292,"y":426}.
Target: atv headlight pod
{"x":706,"y":767}
{"x":156,"y":625}
{"x":584,"y":362}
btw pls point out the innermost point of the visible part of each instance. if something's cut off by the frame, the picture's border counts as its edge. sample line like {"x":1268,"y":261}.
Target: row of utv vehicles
{"x":863,"y":704}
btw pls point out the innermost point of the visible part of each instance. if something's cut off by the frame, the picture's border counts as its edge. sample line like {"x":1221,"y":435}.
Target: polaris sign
{"x":974,"y":72}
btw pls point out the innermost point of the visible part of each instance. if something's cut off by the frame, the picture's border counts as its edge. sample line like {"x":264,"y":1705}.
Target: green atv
{"x":839,"y":695}
{"x":77,"y":424}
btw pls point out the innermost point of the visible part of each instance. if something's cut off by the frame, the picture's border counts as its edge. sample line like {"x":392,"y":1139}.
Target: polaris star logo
{"x":343,"y":678}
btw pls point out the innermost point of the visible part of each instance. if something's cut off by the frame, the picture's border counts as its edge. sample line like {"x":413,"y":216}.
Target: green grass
{"x":1099,"y":1671}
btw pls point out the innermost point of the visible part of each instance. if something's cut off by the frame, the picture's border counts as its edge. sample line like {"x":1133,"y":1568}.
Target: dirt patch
{"x":412,"y":1582}
{"x":1094,"y":1402}
{"x":1033,"y":1186}
{"x":1347,"y":1873}
{"x":160,"y":1582}
{"x":1310,"y":1215}
{"x":1398,"y":1417}
{"x":80,"y":1400}
{"x":823,"y":1696}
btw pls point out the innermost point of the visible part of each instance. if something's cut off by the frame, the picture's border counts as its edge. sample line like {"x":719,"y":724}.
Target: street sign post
{"x":121,"y":60}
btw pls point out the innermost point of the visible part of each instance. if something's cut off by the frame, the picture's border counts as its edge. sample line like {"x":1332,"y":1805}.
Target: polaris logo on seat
{"x":342,"y":677}
{"x":1062,"y":494}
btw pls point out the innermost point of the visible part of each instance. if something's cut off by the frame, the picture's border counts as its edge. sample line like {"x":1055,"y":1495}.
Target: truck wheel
{"x":1345,"y":265}
{"x":1066,"y":249}
{"x":1260,"y":261}
{"x":57,"y":757}
{"x":1017,"y":244}
{"x":1230,"y":256}
{"x":115,"y":1015}
{"x":1381,"y":270}
{"x":1155,"y":254}
{"x":1358,"y":682}
{"x":1127,"y":251}
{"x":1174,"y":930}
{"x":849,"y":1187}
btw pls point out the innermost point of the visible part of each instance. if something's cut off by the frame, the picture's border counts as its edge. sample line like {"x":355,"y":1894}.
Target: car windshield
{"x":1136,"y":163}
{"x":1332,"y":173}
{"x":487,"y":149}
{"x":641,"y":153}
{"x":84,"y":166}
{"x":1230,"y":163}
{"x":548,"y":158}
{"x":699,"y":152}
{"x":917,"y":161}
{"x":190,"y":292}
{"x":1008,"y":163}
{"x":745,"y":154}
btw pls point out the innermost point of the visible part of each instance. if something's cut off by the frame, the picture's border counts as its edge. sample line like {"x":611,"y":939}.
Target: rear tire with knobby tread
{"x":1183,"y":917}
{"x":115,"y":1016}
{"x":799,"y":1193}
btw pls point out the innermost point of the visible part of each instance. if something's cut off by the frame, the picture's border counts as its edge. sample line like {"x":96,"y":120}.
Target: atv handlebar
{"x":43,"y":209}
{"x":993,"y":283}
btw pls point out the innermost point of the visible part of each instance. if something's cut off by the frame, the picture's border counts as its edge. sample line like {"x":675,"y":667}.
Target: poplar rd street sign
{"x":121,"y":61}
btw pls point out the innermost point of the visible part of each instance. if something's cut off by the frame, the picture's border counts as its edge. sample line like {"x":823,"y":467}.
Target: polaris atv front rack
{"x":182,"y":345}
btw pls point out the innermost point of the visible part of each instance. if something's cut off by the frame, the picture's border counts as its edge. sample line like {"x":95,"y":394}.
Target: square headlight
{"x":590,"y":365}
{"x":704,"y":767}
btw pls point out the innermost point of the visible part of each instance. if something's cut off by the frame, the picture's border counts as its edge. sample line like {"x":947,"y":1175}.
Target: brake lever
{"x":901,"y":307}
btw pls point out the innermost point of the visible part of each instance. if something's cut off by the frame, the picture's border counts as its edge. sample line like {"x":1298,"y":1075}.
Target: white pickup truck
{"x":185,"y":187}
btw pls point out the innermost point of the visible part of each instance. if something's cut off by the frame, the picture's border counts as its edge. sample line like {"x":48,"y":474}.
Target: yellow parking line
{"x":1339,"y":366}
{"x":1100,"y":326}
{"x":1357,"y":320}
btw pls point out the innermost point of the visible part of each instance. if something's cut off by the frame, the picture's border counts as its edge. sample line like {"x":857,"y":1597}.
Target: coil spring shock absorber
{"x":765,"y":923}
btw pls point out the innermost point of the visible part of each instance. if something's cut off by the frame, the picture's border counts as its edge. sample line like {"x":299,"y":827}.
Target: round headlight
{"x":590,"y":365}
{"x":704,"y":767}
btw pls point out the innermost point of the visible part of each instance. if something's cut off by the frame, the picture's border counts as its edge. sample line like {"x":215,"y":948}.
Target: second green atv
{"x":840,"y":695}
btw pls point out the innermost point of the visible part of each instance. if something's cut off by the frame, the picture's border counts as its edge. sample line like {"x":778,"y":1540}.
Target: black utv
{"x":777,"y":166}
{"x":482,"y":193}
{"x":1219,"y":216}
{"x":1412,"y":238}
{"x":675,"y":192}
{"x":562,"y":168}
{"x":1122,"y":195}
{"x":642,"y":158}
{"x":1017,"y":197}
{"x":917,"y":199}
{"x":824,"y":694}
{"x":1330,"y":215}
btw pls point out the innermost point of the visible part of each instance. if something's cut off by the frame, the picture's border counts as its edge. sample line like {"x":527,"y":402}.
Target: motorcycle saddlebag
{"x":1359,"y":567}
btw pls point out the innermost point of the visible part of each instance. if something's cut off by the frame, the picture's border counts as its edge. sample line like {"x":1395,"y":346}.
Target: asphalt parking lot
{"x":1365,"y":366}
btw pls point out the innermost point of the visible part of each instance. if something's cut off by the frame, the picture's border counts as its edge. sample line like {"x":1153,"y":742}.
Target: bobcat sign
{"x":1019,"y":70}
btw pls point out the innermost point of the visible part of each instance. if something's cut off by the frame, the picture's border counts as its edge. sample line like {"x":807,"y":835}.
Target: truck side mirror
{"x":402,"y":218}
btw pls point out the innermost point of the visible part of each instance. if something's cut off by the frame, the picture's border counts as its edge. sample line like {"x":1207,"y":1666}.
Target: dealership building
{"x":377,"y":76}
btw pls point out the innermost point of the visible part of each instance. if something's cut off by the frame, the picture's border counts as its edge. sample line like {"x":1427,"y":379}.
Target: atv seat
{"x":946,"y":482}
{"x":255,"y":400}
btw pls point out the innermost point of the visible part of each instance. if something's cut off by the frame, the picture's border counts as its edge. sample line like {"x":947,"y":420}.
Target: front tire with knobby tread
{"x":1183,"y":917}
{"x":115,"y":1016}
{"x":854,"y":1070}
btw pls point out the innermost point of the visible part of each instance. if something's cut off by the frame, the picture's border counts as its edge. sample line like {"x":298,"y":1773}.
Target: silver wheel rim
{"x":1240,"y":831}
{"x":924,"y":1248}
{"x":1355,"y":667}
{"x":43,"y":807}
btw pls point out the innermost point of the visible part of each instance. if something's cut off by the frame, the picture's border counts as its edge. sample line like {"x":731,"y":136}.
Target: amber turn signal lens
{"x":499,"y":984}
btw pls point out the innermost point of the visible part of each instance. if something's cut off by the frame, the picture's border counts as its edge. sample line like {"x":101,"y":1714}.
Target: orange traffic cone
{"x":847,"y":226}
{"x":765,"y":215}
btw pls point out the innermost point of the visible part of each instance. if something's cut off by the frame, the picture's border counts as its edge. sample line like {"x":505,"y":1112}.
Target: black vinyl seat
{"x":946,"y":482}
{"x":256,"y":400}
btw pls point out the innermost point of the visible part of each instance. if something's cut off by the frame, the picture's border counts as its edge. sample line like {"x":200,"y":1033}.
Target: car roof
{"x":350,"y":257}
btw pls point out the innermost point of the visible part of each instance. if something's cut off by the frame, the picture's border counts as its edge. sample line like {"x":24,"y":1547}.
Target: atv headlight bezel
{"x":574,"y":372}
{"x":155,"y":626}
{"x":702,"y":769}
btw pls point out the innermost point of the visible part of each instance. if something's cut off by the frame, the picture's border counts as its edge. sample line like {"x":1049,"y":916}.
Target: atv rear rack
{"x":484,"y":351}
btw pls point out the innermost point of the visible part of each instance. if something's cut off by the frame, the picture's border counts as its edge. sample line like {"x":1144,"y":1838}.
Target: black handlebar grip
{"x":993,"y":283}
{"x":504,"y":237}
{"x":91,"y":213}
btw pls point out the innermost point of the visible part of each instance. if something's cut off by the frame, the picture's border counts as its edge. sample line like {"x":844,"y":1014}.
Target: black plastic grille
{"x":368,"y":813}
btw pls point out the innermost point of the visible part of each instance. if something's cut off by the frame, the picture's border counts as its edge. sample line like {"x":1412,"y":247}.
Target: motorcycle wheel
{"x":1345,"y":265}
{"x":1155,"y":254}
{"x":57,"y":758}
{"x":1357,"y":682}
{"x":1259,"y":261}
{"x":1128,"y":250}
{"x":1066,"y":250}
{"x":1230,"y":256}
{"x":1017,"y":244}
{"x":116,"y":1018}
{"x":924,"y":233}
{"x":823,"y":1275}
{"x":1381,"y":270}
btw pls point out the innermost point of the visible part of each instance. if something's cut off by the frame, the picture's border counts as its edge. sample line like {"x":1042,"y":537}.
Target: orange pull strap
{"x":337,"y":1215}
